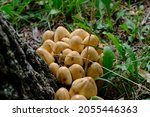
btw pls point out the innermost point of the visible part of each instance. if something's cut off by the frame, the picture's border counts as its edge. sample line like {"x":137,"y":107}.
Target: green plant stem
{"x":127,"y":79}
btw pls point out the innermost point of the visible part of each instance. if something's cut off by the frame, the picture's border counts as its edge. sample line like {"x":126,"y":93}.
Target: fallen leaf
{"x":121,"y":98}
{"x":144,"y":74}
{"x":36,"y":34}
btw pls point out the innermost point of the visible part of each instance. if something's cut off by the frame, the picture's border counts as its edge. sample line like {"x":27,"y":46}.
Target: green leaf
{"x":109,"y":24}
{"x":108,"y":58}
{"x":129,"y":23}
{"x":130,"y":66}
{"x":54,"y":11}
{"x":80,"y":1}
{"x":131,"y":61}
{"x":115,"y":5}
{"x":57,"y":3}
{"x":118,"y":45}
{"x":148,"y":66}
{"x":124,"y":27}
{"x":120,"y":14}
{"x":7,"y":9}
{"x":83,"y":26}
{"x":130,"y":38}
{"x":15,"y":3}
{"x":96,"y":98}
{"x":107,"y":5}
{"x":21,"y":8}
{"x":122,"y":67}
{"x":101,"y":8}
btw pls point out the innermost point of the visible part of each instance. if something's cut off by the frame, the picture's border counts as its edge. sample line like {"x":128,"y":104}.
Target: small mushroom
{"x":72,"y":92}
{"x":95,"y":70}
{"x":100,"y":48}
{"x":65,"y":39}
{"x":54,"y":68}
{"x":84,"y":86}
{"x":79,"y":32}
{"x":48,"y":35}
{"x":64,"y":76}
{"x":100,"y":60}
{"x":65,"y":52}
{"x":78,"y":97}
{"x":48,"y":45}
{"x":90,"y":53}
{"x":45,"y":55}
{"x":59,"y":47}
{"x":77,"y":71}
{"x":91,"y":40}
{"x":60,"y":33}
{"x":76,"y":44}
{"x":62,"y":94}
{"x":73,"y":58}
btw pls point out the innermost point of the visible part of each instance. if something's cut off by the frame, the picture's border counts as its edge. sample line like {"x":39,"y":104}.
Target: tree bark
{"x":23,"y":75}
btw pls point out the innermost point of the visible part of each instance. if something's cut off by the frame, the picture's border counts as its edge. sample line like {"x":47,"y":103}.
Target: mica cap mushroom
{"x":73,"y":58}
{"x":79,"y":32}
{"x":54,"y":68}
{"x":91,"y":40}
{"x":95,"y":70}
{"x":84,"y":86}
{"x":90,"y":53}
{"x":48,"y":45}
{"x":62,"y":94}
{"x":60,"y":33}
{"x":64,"y":76}
{"x":77,"y":71}
{"x":48,"y":35}
{"x":45,"y":55}
{"x":76,"y":44}
{"x":59,"y":47}
{"x":78,"y":97}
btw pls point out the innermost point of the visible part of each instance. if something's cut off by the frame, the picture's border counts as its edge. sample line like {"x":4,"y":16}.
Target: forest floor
{"x":122,"y":25}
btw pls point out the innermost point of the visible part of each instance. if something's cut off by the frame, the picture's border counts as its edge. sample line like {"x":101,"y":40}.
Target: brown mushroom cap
{"x":60,"y":33}
{"x":65,"y":39}
{"x":76,"y":43}
{"x":78,"y":97}
{"x":59,"y":47}
{"x":91,"y":40}
{"x":62,"y":94}
{"x":73,"y":58}
{"x":77,"y":71}
{"x":79,"y":32}
{"x":45,"y":55}
{"x":64,"y":76}
{"x":95,"y":70}
{"x":48,"y":45}
{"x":90,"y":53}
{"x":100,"y":48}
{"x":48,"y":35}
{"x":65,"y":52}
{"x":54,"y":68}
{"x":100,"y":60}
{"x":85,"y":86}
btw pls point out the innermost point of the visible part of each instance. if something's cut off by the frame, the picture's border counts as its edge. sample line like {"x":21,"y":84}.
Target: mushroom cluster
{"x":75,"y":59}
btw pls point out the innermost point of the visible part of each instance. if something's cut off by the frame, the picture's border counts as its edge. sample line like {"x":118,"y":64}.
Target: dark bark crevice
{"x":23,"y":75}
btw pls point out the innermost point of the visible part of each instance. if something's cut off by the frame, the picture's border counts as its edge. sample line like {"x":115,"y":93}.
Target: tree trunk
{"x":23,"y":75}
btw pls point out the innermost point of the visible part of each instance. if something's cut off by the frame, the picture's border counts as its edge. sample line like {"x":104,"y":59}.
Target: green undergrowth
{"x":115,"y":22}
